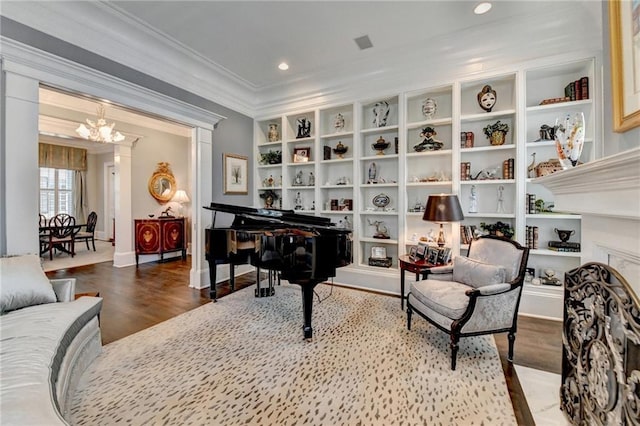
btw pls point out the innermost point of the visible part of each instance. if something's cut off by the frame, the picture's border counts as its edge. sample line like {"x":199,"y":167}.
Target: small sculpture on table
{"x":381,"y":230}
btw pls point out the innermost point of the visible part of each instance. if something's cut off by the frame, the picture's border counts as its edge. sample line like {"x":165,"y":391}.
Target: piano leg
{"x":307,"y":307}
{"x":213,"y":267}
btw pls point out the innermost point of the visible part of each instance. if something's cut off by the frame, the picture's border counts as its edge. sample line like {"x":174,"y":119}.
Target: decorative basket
{"x":547,"y":167}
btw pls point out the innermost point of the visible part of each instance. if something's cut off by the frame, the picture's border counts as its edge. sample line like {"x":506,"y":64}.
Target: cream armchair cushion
{"x":475,"y":273}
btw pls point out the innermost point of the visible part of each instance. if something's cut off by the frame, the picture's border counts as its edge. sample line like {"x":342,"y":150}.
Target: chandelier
{"x":99,"y":131}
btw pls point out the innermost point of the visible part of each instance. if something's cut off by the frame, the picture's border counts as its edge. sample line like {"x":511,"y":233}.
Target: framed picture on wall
{"x":236,"y":174}
{"x":625,"y":63}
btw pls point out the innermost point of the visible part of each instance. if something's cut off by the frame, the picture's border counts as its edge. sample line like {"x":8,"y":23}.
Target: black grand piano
{"x":302,"y":249}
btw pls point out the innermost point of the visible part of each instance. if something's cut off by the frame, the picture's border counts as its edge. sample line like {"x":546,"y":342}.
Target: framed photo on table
{"x":236,"y":174}
{"x":421,"y":252}
{"x":432,"y":255}
{"x":301,"y":155}
{"x":625,"y":64}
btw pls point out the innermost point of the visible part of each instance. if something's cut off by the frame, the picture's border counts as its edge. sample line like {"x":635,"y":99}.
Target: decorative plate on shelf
{"x":381,"y":201}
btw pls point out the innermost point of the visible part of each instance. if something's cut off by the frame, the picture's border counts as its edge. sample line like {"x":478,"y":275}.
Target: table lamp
{"x":180,"y":197}
{"x":442,"y":209}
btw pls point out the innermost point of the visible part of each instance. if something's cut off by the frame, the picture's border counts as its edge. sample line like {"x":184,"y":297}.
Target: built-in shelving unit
{"x":343,"y":186}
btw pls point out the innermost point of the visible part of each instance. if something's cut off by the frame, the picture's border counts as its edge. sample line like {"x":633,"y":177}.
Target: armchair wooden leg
{"x":454,"y":350}
{"x":512,"y":340}
{"x":409,"y":312}
{"x":93,"y":243}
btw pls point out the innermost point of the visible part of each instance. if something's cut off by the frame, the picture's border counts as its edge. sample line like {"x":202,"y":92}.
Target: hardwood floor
{"x":138,"y":298}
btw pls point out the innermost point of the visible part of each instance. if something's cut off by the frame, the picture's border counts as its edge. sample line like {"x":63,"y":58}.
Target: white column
{"x":202,"y":187}
{"x":124,"y":254}
{"x":21,"y":165}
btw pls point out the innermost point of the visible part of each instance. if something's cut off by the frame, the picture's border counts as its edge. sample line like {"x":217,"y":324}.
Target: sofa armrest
{"x":64,"y":288}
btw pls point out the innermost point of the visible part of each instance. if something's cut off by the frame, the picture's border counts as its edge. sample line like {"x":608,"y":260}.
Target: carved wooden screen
{"x":601,"y":348}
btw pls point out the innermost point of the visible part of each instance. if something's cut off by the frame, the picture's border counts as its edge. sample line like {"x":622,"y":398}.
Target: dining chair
{"x":89,"y":232}
{"x":43,"y":233}
{"x":62,"y":234}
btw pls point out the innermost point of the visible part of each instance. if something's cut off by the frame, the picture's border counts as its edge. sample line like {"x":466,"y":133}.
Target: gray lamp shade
{"x":443,"y":208}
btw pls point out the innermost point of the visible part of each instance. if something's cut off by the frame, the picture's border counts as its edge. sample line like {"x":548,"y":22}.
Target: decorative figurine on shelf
{"x":298,"y":202}
{"x":274,"y":134}
{"x":429,"y":108}
{"x":488,"y":173}
{"x":380,"y":113}
{"x":338,"y":123}
{"x":547,"y":133}
{"x":428,"y":143}
{"x":373,"y":173}
{"x":487,"y":98}
{"x":381,"y":230}
{"x":304,"y":128}
{"x":340,"y":150}
{"x":473,"y":200}
{"x":312,"y":179}
{"x":269,"y":198}
{"x":500,"y":208}
{"x":564,"y":234}
{"x":298,"y":179}
{"x":381,"y":201}
{"x":347,"y":223}
{"x":313,"y":205}
{"x":531,"y":169}
{"x":380,"y":145}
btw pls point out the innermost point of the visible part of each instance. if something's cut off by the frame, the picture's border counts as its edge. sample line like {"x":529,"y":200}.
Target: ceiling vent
{"x":363,"y":42}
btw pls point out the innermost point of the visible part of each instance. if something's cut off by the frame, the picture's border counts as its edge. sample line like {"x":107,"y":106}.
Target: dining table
{"x":46,"y":231}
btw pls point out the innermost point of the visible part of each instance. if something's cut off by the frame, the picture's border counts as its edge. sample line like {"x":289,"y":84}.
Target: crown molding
{"x":61,"y":73}
{"x":125,"y":40}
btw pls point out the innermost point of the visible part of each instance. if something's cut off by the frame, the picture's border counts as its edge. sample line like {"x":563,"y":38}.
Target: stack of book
{"x":578,"y":90}
{"x":508,"y":168}
{"x":564,"y":246}
{"x":467,"y":233}
{"x":531,"y":204}
{"x":532,"y":237}
{"x":465,"y":171}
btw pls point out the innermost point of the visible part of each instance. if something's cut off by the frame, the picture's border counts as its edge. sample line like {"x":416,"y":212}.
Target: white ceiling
{"x":248,"y":39}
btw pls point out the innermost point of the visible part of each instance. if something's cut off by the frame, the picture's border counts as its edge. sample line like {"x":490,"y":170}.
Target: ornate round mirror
{"x":162,"y":184}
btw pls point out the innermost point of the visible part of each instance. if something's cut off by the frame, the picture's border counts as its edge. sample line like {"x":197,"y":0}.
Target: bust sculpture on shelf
{"x":428,"y":142}
{"x":487,"y":98}
{"x":429,"y":108}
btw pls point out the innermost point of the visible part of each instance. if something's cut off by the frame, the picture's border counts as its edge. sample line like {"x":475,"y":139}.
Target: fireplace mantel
{"x":606,"y":187}
{"x":606,"y":192}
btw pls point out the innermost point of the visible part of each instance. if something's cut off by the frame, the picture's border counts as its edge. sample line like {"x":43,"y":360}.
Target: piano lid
{"x":286,"y":216}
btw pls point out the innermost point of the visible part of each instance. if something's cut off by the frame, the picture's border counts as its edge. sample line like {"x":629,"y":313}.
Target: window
{"x":56,"y":191}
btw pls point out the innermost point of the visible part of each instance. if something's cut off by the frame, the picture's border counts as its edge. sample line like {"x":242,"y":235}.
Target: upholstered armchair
{"x":477,"y":294}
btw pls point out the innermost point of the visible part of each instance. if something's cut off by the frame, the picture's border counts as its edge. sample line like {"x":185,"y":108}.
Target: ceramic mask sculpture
{"x":429,"y":108}
{"x":487,"y":98}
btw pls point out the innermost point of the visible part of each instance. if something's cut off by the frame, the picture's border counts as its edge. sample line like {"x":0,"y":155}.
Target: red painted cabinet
{"x":160,"y":236}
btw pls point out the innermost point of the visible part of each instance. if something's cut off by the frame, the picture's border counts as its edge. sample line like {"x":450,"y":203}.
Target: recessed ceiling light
{"x":482,"y":8}
{"x":283,"y":66}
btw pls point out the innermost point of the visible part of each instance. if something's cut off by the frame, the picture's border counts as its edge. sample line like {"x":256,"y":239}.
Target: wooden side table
{"x":418,"y":267}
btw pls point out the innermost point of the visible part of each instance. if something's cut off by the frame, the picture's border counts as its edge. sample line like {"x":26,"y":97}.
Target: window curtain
{"x":68,"y":158}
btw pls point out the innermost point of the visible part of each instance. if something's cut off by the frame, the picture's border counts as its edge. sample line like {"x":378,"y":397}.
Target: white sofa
{"x":47,"y":339}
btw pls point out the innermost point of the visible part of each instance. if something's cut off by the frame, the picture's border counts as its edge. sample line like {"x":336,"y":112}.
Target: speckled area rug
{"x":242,"y":361}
